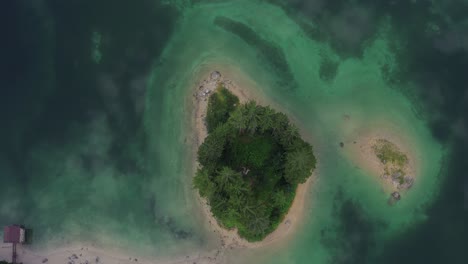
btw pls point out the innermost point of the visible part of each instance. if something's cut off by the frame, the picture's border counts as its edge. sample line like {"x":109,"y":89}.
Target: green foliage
{"x":226,"y":178}
{"x":251,"y":152}
{"x":212,"y":148}
{"x":251,"y":165}
{"x":246,"y":118}
{"x":219,"y":107}
{"x":299,"y":164}
{"x":203,"y":183}
{"x":280,"y":198}
{"x":267,"y":121}
{"x":393,"y":159}
{"x":387,"y":152}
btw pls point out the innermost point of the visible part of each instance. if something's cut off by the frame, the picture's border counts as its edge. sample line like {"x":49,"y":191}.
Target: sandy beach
{"x":87,"y":254}
{"x":229,"y":238}
{"x":358,"y":148}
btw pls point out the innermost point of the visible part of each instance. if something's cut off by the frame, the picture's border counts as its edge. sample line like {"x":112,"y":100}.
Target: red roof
{"x":12,"y":234}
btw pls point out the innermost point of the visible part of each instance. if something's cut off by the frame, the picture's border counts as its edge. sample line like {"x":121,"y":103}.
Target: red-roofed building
{"x":13,"y":234}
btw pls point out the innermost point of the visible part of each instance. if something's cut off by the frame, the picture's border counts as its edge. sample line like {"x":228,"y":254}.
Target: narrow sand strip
{"x":87,"y":254}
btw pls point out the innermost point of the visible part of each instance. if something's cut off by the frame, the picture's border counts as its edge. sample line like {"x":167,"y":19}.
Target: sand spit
{"x":229,"y":238}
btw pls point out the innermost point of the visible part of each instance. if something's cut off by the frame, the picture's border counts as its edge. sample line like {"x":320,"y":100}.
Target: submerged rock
{"x":394,"y":197}
{"x":407,"y":182}
{"x":396,"y":175}
{"x":215,"y":75}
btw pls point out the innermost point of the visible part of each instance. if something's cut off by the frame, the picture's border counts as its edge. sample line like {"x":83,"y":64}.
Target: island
{"x":395,"y":163}
{"x":251,"y":163}
{"x":384,"y":151}
{"x":395,"y":166}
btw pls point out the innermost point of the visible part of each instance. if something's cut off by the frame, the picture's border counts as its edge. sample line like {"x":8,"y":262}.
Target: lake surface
{"x":95,"y":140}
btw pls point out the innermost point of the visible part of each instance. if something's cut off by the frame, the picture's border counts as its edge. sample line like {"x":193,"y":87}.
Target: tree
{"x":299,"y":164}
{"x":219,"y":107}
{"x":252,"y":116}
{"x":248,"y":209}
{"x":237,"y":201}
{"x":238,"y":186}
{"x":289,"y":136}
{"x":218,"y":203}
{"x":226,"y":178}
{"x":273,"y":159}
{"x":280,"y":199}
{"x":212,"y":148}
{"x":258,"y":225}
{"x":280,"y":123}
{"x":238,"y":120}
{"x":203,"y":183}
{"x":267,"y":119}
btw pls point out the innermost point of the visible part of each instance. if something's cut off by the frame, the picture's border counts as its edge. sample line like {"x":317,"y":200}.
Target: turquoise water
{"x":118,"y":173}
{"x":358,"y":89}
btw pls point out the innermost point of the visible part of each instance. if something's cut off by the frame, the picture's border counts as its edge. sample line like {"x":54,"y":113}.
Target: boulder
{"x":215,"y":75}
{"x":396,"y":196}
{"x":396,"y":175}
{"x":407,"y":182}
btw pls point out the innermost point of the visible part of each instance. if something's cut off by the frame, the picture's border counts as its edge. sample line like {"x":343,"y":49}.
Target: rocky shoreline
{"x":399,"y":181}
{"x":395,"y":167}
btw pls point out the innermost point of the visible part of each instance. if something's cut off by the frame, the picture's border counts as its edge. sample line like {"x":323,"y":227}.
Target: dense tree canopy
{"x":251,"y":163}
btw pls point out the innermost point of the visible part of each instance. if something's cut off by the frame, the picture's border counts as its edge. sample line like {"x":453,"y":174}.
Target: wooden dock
{"x":13,"y":256}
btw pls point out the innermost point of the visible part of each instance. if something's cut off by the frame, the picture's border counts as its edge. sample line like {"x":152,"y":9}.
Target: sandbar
{"x":358,"y":148}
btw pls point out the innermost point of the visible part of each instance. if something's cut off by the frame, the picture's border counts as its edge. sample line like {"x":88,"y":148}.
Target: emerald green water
{"x":358,"y":89}
{"x":133,"y":190}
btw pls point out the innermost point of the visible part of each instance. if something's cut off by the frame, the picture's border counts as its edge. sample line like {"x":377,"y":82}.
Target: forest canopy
{"x":251,"y":163}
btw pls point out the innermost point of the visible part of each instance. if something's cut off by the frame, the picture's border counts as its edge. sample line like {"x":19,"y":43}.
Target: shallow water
{"x":104,"y":154}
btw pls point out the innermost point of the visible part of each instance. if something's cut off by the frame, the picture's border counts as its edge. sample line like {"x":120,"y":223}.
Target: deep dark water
{"x":353,"y":240}
{"x":52,"y":94}
{"x":58,"y":104}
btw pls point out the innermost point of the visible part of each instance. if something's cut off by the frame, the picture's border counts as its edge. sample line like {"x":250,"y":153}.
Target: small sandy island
{"x":229,"y":238}
{"x":384,"y":154}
